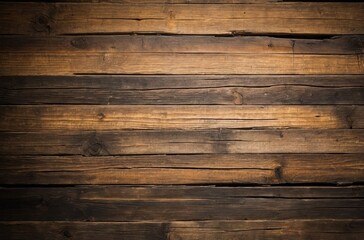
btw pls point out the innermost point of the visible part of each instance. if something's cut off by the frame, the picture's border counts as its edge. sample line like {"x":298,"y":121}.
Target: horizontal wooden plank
{"x":179,"y":55}
{"x":177,"y":63}
{"x":86,"y":117}
{"x":182,"y":142}
{"x":168,"y":1}
{"x":182,"y":44}
{"x":115,"y":203}
{"x":159,"y":82}
{"x":277,"y":18}
{"x":109,"y":95}
{"x":189,"y":90}
{"x":184,"y":230}
{"x":183,"y":169}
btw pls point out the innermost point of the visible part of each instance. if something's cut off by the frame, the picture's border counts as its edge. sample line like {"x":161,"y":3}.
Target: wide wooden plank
{"x":183,"y":169}
{"x":182,"y":142}
{"x":84,"y":117}
{"x":184,"y":230}
{"x":115,"y":203}
{"x":276,"y":18}
{"x":182,"y":44}
{"x":180,"y":55}
{"x":190,"y":90}
{"x":177,"y":63}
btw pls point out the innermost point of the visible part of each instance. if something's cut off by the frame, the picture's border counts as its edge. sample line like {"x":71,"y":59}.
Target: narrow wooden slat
{"x":183,"y":169}
{"x":168,"y":1}
{"x":277,"y":18}
{"x":159,"y":82}
{"x":293,"y":229}
{"x":182,"y":44}
{"x":177,"y":63}
{"x":182,"y":142}
{"x":83,"y":117}
{"x":179,"y":203}
{"x":184,"y":230}
{"x":191,"y":90}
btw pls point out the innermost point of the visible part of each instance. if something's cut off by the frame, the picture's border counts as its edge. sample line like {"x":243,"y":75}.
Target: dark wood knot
{"x":67,"y":233}
{"x":42,"y":23}
{"x":94,"y":146}
{"x":80,"y":43}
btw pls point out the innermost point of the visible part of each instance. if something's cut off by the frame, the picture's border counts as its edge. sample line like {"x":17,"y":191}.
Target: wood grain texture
{"x":83,"y":117}
{"x":182,"y":142}
{"x":277,"y":18}
{"x":108,"y":203}
{"x":183,"y":169}
{"x":177,"y":63}
{"x":189,"y":90}
{"x":186,"y":230}
{"x":181,"y":119}
{"x":338,"y":45}
{"x":182,"y":55}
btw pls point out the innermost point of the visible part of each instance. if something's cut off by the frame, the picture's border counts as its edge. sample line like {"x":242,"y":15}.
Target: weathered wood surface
{"x":338,"y":45}
{"x":176,"y":63}
{"x":182,"y":142}
{"x":236,"y":119}
{"x":176,"y":90}
{"x":184,"y":169}
{"x":185,"y":230}
{"x":278,"y":18}
{"x":182,"y":55}
{"x":84,"y":117}
{"x":107,"y":203}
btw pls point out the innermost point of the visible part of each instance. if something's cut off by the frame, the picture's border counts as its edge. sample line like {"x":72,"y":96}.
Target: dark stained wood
{"x":115,"y":203}
{"x":84,"y":117}
{"x":172,"y":90}
{"x":164,"y":1}
{"x":183,"y":169}
{"x":182,"y":142}
{"x":346,"y":45}
{"x":88,"y":18}
{"x":158,"y":82}
{"x":181,"y":119}
{"x":222,"y":229}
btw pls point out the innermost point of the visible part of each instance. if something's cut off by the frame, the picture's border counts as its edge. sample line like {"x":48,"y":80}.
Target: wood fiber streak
{"x":183,"y":169}
{"x":87,"y":18}
{"x":182,"y":142}
{"x":216,"y":229}
{"x":179,"y":203}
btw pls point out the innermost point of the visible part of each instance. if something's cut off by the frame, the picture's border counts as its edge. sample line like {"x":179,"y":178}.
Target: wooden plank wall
{"x":181,"y":119}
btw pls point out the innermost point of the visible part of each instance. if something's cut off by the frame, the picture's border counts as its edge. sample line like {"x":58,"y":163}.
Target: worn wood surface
{"x":189,"y":90}
{"x":179,"y":203}
{"x":84,"y":117}
{"x":339,"y":45}
{"x":223,"y":229}
{"x":183,"y":169}
{"x":181,"y":119}
{"x":182,"y":142}
{"x":175,"y":63}
{"x":278,"y":18}
{"x":182,"y":55}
